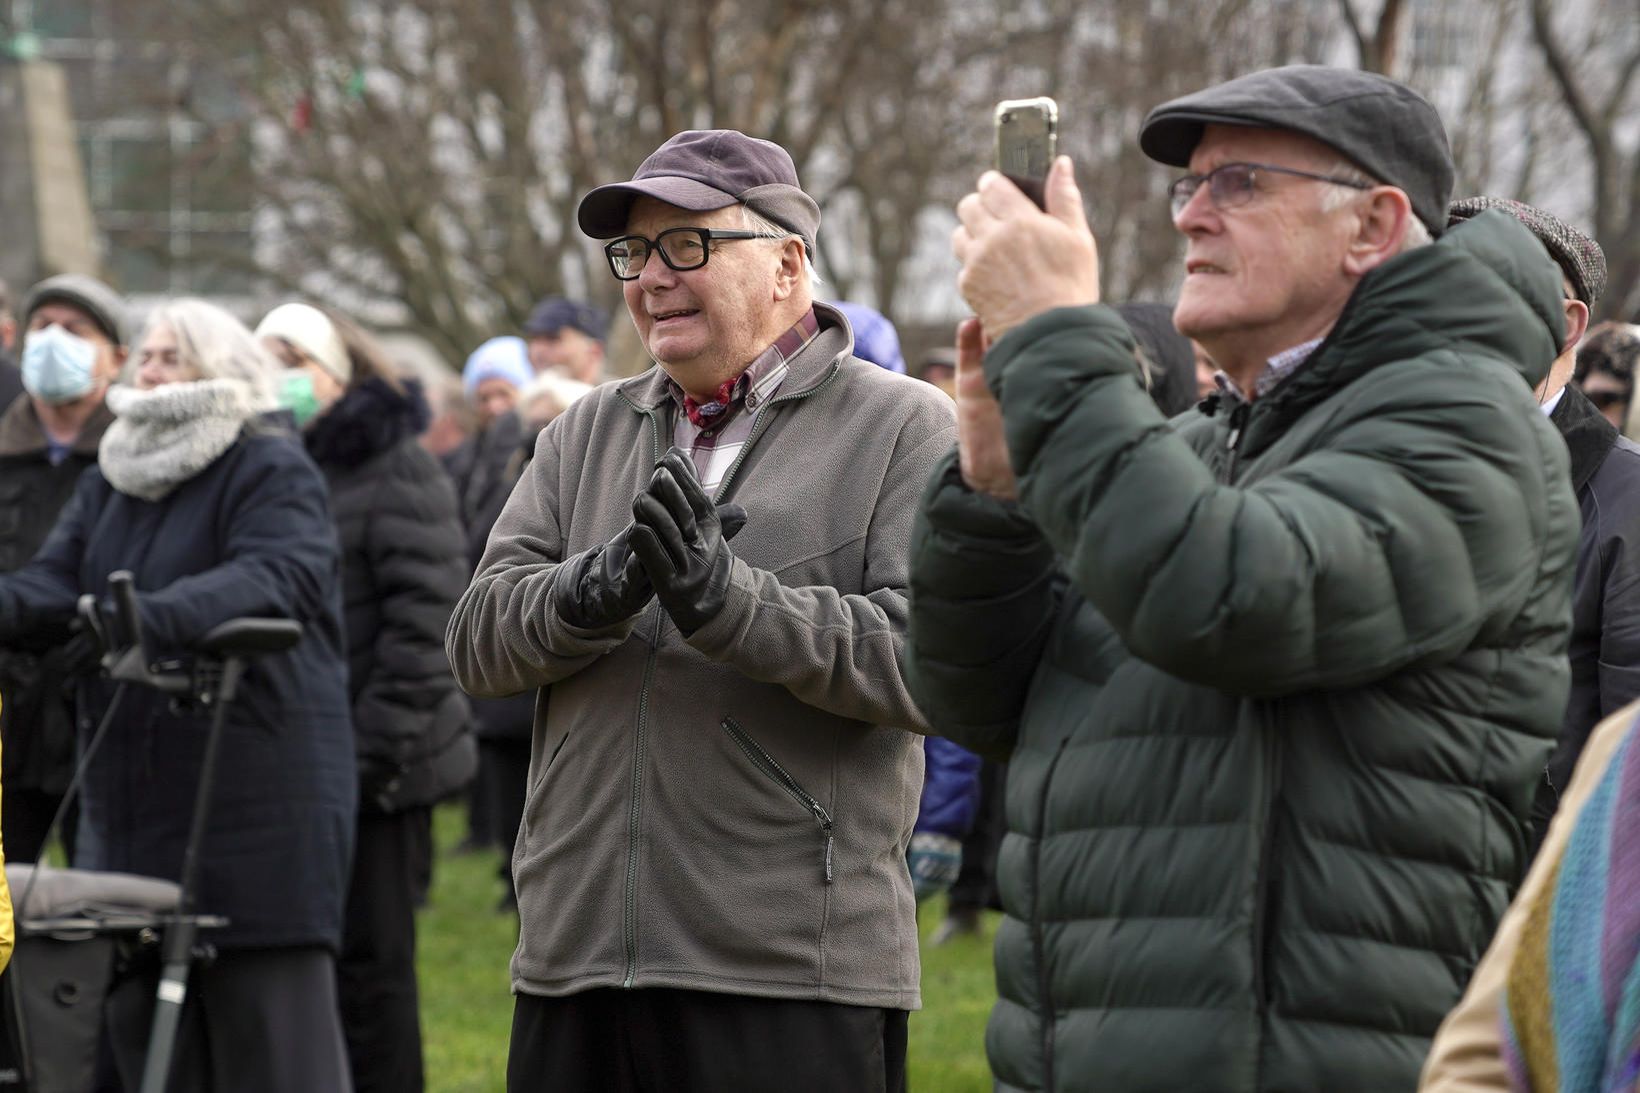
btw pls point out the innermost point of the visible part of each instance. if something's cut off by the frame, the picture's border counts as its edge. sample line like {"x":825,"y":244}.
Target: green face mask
{"x":296,"y":395}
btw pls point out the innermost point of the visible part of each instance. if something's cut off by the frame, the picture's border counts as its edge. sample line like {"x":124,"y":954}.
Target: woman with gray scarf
{"x":206,"y":497}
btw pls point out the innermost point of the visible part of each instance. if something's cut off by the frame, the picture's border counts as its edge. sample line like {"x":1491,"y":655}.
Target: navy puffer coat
{"x":251,"y":534}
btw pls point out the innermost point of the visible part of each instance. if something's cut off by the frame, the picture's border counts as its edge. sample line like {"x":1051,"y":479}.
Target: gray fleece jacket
{"x":727,"y":812}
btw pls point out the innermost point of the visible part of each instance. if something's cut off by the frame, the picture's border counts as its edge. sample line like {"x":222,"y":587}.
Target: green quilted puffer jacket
{"x":1275,"y":683}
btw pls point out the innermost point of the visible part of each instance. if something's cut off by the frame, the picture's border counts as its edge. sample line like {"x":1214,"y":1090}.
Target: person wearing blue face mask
{"x":72,"y":347}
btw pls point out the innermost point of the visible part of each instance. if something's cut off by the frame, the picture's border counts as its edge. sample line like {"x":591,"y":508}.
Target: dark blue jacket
{"x":950,"y":793}
{"x":249,"y":535}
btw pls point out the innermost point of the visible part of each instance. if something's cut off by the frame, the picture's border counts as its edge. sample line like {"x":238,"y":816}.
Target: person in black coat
{"x":75,"y":341}
{"x":219,"y":513}
{"x":403,"y":568}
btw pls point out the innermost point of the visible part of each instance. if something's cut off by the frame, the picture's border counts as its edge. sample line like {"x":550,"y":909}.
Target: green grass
{"x":467,"y":1011}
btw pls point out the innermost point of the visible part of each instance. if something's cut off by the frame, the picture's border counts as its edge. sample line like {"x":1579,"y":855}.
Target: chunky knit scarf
{"x":1572,"y":1002}
{"x":164,"y":436}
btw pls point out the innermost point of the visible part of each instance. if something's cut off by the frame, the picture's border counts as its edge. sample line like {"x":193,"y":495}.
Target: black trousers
{"x":506,"y":762}
{"x":256,"y":1021}
{"x":976,"y":885}
{"x":376,"y":973}
{"x":676,"y":1041}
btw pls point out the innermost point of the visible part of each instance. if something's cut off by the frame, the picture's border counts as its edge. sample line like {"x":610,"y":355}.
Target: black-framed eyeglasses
{"x":1233,"y":184}
{"x":680,"y":248}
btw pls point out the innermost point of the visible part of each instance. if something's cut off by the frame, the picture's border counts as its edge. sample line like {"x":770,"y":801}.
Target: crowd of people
{"x":1269,"y":658}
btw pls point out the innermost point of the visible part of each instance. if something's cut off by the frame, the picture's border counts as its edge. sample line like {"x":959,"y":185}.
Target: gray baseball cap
{"x":703,"y":169}
{"x":1385,"y":128}
{"x":103,"y":304}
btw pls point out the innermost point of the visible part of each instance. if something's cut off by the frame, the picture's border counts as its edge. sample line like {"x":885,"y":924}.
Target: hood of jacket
{"x":366,"y":421}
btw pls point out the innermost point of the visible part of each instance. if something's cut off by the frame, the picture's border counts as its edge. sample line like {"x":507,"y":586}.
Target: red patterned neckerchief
{"x":732,"y":392}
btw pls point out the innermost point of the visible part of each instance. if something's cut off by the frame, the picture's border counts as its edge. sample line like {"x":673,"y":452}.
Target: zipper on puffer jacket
{"x":767,"y":764}
{"x":1238,"y":426}
{"x":1264,"y":897}
{"x":1044,"y":985}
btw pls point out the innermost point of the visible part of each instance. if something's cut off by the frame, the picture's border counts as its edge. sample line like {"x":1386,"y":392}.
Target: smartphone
{"x":1027,"y":134}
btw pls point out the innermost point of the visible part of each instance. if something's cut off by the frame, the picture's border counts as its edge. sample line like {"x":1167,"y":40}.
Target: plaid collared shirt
{"x":1276,"y":369}
{"x":716,"y":432}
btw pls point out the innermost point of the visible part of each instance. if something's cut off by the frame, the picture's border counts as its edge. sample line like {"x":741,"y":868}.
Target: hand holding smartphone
{"x":1027,"y":139}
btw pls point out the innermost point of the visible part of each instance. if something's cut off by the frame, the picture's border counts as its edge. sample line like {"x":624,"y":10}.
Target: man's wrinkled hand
{"x":982,"y":450}
{"x":1019,"y":261}
{"x":681,"y":540}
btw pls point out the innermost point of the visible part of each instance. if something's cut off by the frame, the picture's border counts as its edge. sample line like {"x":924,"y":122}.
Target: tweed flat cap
{"x":1578,"y":256}
{"x":1385,"y":128}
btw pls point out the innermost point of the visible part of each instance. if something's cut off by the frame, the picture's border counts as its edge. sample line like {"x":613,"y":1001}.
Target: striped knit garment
{"x":1572,"y":1003}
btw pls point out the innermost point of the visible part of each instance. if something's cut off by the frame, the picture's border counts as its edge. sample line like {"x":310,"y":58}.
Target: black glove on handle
{"x":681,"y":538}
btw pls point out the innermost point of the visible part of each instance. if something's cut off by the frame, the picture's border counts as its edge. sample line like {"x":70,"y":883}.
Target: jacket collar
{"x":22,"y":434}
{"x":1589,"y":436}
{"x":807,"y":369}
{"x":1482,"y":289}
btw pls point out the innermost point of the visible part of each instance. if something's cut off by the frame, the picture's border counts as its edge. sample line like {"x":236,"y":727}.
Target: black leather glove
{"x":682,"y":540}
{"x":602,"y":587}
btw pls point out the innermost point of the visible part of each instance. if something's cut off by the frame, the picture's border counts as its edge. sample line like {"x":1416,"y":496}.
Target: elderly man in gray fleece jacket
{"x":711,"y":871}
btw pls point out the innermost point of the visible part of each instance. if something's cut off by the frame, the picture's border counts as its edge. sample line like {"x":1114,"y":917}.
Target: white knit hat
{"x":313,"y":334}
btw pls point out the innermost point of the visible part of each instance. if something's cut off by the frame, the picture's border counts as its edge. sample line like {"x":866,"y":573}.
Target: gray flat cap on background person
{"x":1275,"y":679}
{"x":711,"y":877}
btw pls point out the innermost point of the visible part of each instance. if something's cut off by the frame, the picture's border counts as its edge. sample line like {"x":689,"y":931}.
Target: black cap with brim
{"x":1385,"y":128}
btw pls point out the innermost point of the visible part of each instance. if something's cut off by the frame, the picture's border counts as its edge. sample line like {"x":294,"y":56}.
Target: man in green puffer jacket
{"x":1274,"y":679}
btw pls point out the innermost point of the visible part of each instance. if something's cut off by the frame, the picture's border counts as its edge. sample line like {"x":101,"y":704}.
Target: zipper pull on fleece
{"x":827,"y":830}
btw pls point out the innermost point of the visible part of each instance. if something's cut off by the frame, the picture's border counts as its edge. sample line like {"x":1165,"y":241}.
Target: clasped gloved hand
{"x":603,"y":586}
{"x":682,"y":540}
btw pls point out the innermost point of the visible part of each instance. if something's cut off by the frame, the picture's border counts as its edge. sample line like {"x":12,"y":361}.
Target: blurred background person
{"x":875,"y":338}
{"x":404,"y":564}
{"x":484,"y":469}
{"x":452,"y":421}
{"x":1605,"y":369}
{"x":219,"y":514}
{"x":546,"y":396}
{"x":939,"y":367}
{"x":1167,"y":357}
{"x":74,"y":349}
{"x":567,"y":336}
{"x":11,"y":376}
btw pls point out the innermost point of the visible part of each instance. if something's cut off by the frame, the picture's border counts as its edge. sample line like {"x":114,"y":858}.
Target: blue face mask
{"x":58,"y":367}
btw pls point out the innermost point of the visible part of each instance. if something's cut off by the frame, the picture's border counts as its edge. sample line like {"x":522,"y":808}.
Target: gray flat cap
{"x":103,"y":304}
{"x":1578,"y":256}
{"x":1383,"y":127}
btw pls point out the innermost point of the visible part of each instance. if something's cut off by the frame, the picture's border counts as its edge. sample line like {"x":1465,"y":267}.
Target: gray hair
{"x":1336,"y":197}
{"x":755,"y":221}
{"x":215,"y":344}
